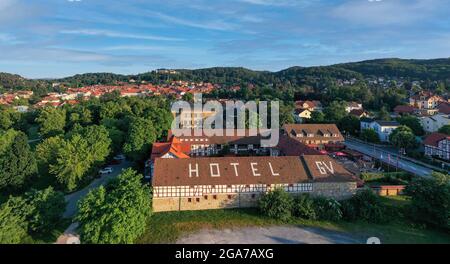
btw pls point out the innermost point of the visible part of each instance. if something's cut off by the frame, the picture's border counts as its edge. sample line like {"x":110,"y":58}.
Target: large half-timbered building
{"x":230,"y":182}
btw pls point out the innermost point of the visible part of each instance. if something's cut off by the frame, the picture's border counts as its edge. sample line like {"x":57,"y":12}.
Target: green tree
{"x":5,"y":119}
{"x":350,"y":124}
{"x":97,"y":138}
{"x":13,"y":227}
{"x":445,"y":130}
{"x":17,"y":162}
{"x":430,"y":201}
{"x":335,"y":111}
{"x":384,"y":114}
{"x":370,"y":135}
{"x":141,"y":135}
{"x":51,"y":121}
{"x":47,"y":153}
{"x":403,"y":137}
{"x":73,"y":161}
{"x":117,"y":213}
{"x":47,"y":208}
{"x":413,"y":123}
{"x":276,"y":204}
{"x":316,"y":118}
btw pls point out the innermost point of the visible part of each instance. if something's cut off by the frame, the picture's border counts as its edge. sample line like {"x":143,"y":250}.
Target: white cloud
{"x":114,"y":34}
{"x":210,"y":24}
{"x":378,"y":12}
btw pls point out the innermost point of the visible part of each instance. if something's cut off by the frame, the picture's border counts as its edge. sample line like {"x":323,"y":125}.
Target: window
{"x":229,"y":196}
{"x":253,"y":196}
{"x":189,"y":200}
{"x":197,"y":200}
{"x":206,"y":197}
{"x":215,"y":197}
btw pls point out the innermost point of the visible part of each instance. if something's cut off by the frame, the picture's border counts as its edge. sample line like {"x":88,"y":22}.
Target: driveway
{"x":270,"y":235}
{"x":73,"y":198}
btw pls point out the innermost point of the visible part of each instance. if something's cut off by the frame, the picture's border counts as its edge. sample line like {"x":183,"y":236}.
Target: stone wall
{"x":211,"y":201}
{"x":336,"y":190}
{"x":217,"y":201}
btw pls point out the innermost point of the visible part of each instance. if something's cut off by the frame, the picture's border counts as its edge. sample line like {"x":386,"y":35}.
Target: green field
{"x":167,"y":227}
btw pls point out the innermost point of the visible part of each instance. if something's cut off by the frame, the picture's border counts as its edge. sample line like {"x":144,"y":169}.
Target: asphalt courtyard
{"x":270,"y":235}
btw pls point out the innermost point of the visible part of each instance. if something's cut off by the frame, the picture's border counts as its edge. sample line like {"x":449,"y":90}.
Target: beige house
{"x":314,"y":135}
{"x":425,"y":100}
{"x":301,"y":114}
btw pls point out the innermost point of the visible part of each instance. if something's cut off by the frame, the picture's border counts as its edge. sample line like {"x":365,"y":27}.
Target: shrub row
{"x":365,"y":205}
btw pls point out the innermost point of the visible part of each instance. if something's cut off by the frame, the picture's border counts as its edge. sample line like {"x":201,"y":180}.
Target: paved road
{"x":270,"y":235}
{"x":389,"y":158}
{"x":73,"y":198}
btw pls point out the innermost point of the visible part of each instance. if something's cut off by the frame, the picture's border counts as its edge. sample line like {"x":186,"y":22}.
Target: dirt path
{"x":270,"y":235}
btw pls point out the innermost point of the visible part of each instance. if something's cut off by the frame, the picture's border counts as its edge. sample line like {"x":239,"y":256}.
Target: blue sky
{"x":55,"y":38}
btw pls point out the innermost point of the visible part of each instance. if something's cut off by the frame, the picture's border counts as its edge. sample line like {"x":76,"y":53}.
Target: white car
{"x":106,"y":170}
{"x":119,"y":157}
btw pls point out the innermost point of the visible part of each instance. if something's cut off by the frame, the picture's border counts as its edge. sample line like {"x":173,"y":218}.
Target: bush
{"x":276,"y":204}
{"x":304,"y":207}
{"x":349,"y":212}
{"x":430,"y":201}
{"x":327,"y":209}
{"x":392,"y":177}
{"x":371,"y":176}
{"x":367,"y":206}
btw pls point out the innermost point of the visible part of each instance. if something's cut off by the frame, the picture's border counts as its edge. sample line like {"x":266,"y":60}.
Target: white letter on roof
{"x":217,"y":174}
{"x":191,"y":170}
{"x":235,"y":168}
{"x":271,"y":169}
{"x":254,"y":169}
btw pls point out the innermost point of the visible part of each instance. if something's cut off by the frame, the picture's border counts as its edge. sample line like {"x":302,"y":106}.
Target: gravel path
{"x":269,"y":235}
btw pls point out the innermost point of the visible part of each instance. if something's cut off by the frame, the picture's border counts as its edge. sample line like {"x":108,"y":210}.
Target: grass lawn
{"x":167,"y":227}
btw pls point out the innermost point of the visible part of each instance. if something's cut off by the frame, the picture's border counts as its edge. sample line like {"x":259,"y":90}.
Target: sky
{"x":57,"y":38}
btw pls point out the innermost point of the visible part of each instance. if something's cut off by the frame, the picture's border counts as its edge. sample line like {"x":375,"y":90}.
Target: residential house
{"x":359,"y":113}
{"x":192,"y":118}
{"x":309,"y":105}
{"x":405,"y":109}
{"x":353,"y":106}
{"x":301,"y":114}
{"x":425,"y":100}
{"x":365,"y":123}
{"x":437,"y":145}
{"x":433,"y":123}
{"x":444,"y":108}
{"x":384,"y":128}
{"x":319,"y":136}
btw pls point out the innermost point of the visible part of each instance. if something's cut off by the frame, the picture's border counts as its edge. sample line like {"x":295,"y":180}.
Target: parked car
{"x":107,"y":170}
{"x":119,"y":157}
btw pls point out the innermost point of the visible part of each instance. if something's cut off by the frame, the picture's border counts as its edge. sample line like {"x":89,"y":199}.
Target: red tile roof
{"x":444,"y":108}
{"x":404,"y":109}
{"x":434,"y":138}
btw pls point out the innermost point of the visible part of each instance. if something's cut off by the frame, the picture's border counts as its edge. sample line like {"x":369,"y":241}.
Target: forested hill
{"x":435,"y":69}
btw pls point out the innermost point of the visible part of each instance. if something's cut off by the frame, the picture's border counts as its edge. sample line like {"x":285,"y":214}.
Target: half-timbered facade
{"x":211,"y":183}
